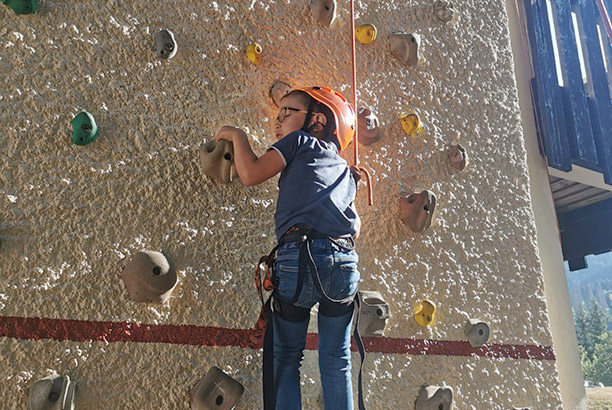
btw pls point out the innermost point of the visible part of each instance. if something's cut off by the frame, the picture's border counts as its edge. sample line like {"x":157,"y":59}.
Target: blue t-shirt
{"x":316,"y":187}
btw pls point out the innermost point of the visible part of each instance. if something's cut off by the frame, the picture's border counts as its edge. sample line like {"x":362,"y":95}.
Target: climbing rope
{"x":363,"y":170}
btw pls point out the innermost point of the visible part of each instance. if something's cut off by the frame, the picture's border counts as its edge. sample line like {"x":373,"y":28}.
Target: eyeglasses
{"x":284,"y":113}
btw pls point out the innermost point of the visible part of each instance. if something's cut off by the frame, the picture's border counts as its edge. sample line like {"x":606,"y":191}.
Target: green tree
{"x":600,"y":369}
{"x":595,"y":326}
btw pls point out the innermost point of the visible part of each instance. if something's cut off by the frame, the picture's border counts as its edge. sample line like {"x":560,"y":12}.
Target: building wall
{"x":548,"y":238}
{"x":73,"y":216}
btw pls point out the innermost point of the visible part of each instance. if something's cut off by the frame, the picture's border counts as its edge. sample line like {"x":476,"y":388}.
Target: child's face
{"x":291,"y":116}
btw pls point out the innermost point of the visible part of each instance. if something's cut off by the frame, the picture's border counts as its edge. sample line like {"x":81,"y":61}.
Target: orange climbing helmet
{"x":343,"y":112}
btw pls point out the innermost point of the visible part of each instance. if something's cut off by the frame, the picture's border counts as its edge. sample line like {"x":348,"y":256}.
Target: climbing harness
{"x":262,"y":333}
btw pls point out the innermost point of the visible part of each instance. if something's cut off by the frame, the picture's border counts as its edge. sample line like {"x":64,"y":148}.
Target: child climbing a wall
{"x":316,"y":223}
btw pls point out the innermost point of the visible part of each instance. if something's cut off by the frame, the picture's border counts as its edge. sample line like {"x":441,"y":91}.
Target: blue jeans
{"x":339,"y":276}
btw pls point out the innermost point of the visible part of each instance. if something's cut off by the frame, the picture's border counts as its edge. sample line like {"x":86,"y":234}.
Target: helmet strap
{"x":311,"y":105}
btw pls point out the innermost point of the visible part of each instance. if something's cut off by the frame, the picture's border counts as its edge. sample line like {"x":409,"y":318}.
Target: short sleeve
{"x":287,"y":146}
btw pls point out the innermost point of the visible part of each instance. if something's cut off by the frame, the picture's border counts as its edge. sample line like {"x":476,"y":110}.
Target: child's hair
{"x":329,"y":130}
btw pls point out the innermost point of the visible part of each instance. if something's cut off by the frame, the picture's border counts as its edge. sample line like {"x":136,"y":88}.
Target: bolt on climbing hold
{"x":253,"y":53}
{"x":278,"y":90}
{"x":411,"y":123}
{"x":426,"y":313}
{"x":149,"y":278}
{"x":217,"y":161}
{"x":366,"y":33}
{"x":165,"y":44}
{"x":405,"y":46}
{"x":444,"y":10}
{"x":373,"y":313}
{"x":457,"y":157}
{"x":216,"y":391}
{"x":22,"y":6}
{"x":324,"y":11}
{"x":84,"y":128}
{"x":477,"y":332}
{"x":416,"y":210}
{"x":53,"y":392}
{"x":434,"y":398}
{"x":367,"y":126}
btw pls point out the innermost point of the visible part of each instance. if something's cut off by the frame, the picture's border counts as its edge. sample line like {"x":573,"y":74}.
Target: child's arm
{"x":251,"y":170}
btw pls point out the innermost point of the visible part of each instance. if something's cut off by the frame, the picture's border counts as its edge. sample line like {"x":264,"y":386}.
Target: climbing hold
{"x":366,"y":33}
{"x":53,"y":392}
{"x":443,"y":10}
{"x":477,"y":332}
{"x":521,"y":408}
{"x":367,"y":126}
{"x":373,"y":313}
{"x":216,"y":391}
{"x":22,"y":6}
{"x":149,"y":278}
{"x":278,"y":90}
{"x":434,"y":398}
{"x":217,"y":161}
{"x":324,"y":11}
{"x":84,"y":128}
{"x":165,"y":44}
{"x":254,"y":53}
{"x":426,"y":313}
{"x":411,"y":123}
{"x":405,"y":46}
{"x":457,"y":157}
{"x":417,"y":210}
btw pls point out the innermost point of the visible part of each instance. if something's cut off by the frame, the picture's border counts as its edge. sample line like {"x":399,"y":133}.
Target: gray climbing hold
{"x":324,"y":11}
{"x":443,"y":10}
{"x":149,"y":278}
{"x":278,"y":90}
{"x":434,"y":398}
{"x":477,"y":332}
{"x":53,"y":392}
{"x":373,"y":313}
{"x":217,"y":161}
{"x":165,"y":44}
{"x":457,"y":157}
{"x":216,"y":391}
{"x":405,"y":46}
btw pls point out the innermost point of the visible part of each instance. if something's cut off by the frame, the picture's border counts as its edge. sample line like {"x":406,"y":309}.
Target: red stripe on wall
{"x":84,"y":330}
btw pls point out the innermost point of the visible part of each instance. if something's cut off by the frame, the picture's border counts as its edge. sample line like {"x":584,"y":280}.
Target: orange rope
{"x":363,"y":170}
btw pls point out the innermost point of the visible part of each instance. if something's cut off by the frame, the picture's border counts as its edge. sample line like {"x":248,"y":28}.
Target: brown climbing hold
{"x":324,"y":11}
{"x":405,"y":46}
{"x":417,"y":210}
{"x":434,"y":398}
{"x":457,"y":157}
{"x":373,"y":313}
{"x":443,"y":10}
{"x":216,"y":391}
{"x":368,"y":127}
{"x":149,"y":278}
{"x":278,"y":90}
{"x":217,"y":161}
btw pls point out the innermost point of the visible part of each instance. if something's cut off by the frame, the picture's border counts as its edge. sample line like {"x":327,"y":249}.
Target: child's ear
{"x":320,"y":118}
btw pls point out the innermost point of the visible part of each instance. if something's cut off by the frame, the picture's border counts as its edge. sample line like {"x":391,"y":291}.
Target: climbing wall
{"x":73,"y":216}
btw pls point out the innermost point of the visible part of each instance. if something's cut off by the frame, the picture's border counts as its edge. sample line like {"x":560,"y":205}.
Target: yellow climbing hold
{"x":366,"y":33}
{"x":425,"y":315}
{"x":411,"y":123}
{"x":254,"y":53}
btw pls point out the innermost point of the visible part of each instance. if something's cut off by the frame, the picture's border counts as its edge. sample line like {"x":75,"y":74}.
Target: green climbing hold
{"x":84,"y":128}
{"x":22,"y":6}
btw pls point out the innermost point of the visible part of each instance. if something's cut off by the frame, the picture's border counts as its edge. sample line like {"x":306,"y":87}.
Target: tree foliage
{"x":595,"y":342}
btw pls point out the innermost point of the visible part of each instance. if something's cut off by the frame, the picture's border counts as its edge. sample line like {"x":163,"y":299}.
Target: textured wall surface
{"x":72,"y":216}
